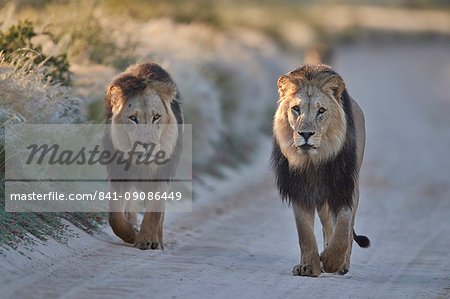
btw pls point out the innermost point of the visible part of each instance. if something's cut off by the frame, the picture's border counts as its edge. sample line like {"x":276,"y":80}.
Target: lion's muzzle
{"x":304,"y":141}
{"x":306,"y":135}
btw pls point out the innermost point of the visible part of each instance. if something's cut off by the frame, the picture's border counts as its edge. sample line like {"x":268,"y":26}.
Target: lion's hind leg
{"x":309,"y":261}
{"x":121,"y":227}
{"x":327,"y":226}
{"x":131,"y":214}
{"x":346,"y":266}
{"x":160,"y":230}
{"x":334,"y":255}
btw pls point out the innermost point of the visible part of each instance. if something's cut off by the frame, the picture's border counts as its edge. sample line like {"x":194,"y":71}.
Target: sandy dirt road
{"x":243,"y":243}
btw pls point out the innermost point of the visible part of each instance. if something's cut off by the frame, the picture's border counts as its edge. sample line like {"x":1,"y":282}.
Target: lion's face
{"x":308,"y":113}
{"x":144,"y":120}
{"x":144,"y":109}
{"x":310,"y":122}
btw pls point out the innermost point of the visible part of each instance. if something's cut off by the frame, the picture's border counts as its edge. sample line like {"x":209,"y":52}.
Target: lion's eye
{"x":156,"y":117}
{"x":133,"y":119}
{"x":296,"y":108}
{"x":322,"y":110}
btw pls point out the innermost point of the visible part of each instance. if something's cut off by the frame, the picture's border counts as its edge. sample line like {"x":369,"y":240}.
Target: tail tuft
{"x":362,"y":241}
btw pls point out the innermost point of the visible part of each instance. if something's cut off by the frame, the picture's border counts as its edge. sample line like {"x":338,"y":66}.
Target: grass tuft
{"x":30,"y":96}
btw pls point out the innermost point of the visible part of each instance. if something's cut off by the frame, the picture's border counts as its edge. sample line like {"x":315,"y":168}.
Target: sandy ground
{"x":240,"y":240}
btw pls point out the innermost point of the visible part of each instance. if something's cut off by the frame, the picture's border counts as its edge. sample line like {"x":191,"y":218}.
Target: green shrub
{"x":183,"y":11}
{"x":18,"y":38}
{"x":78,"y":29}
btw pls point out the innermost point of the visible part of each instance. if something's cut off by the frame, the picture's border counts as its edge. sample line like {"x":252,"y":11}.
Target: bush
{"x":18,"y":38}
{"x":28,"y":96}
{"x":77,"y":27}
{"x":183,"y":11}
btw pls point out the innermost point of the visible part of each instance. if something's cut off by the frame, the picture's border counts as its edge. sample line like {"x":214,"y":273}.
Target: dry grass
{"x":29,"y":97}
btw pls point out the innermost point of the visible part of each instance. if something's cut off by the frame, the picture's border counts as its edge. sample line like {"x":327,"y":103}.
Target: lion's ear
{"x":166,"y":90}
{"x":334,"y":86}
{"x":287,"y":85}
{"x":114,"y":98}
{"x":170,"y":92}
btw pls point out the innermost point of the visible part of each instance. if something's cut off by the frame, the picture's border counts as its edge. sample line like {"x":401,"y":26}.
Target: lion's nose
{"x":306,"y":135}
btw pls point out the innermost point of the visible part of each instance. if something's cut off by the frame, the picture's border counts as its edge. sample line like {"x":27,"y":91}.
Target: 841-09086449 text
{"x":101,"y":196}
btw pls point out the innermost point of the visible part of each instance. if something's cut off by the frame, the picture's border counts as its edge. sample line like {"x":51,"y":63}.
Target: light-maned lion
{"x":142,"y":104}
{"x":318,"y":148}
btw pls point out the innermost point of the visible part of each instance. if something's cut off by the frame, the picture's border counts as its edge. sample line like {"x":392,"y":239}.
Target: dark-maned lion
{"x":142,"y":105}
{"x":318,"y":148}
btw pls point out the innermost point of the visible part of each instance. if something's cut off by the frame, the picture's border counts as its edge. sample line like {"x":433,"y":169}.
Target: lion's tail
{"x":362,"y":241}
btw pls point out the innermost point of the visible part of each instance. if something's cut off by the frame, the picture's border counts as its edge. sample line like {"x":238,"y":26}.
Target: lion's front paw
{"x":306,"y":270}
{"x":147,"y":242}
{"x":332,"y":260}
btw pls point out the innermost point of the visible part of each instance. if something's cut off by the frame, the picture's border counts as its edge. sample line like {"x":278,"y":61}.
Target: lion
{"x":142,"y":107}
{"x":318,"y":149}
